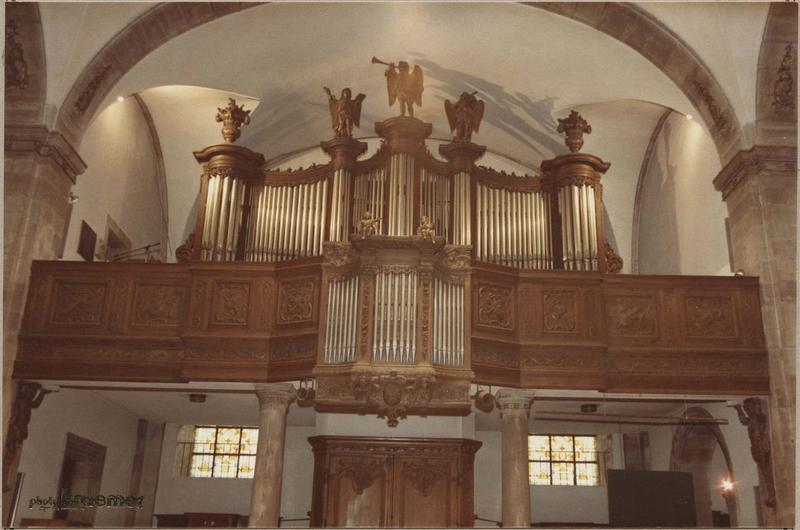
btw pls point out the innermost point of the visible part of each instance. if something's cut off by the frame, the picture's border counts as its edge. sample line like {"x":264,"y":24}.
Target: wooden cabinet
{"x":392,"y":482}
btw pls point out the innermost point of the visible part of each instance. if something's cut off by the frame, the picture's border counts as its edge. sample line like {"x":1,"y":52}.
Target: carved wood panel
{"x":230,"y":303}
{"x":80,"y":303}
{"x":710,"y":316}
{"x":495,"y":306}
{"x":157,"y":304}
{"x":296,"y":301}
{"x":392,"y":482}
{"x":559,"y":310}
{"x":631,"y":316}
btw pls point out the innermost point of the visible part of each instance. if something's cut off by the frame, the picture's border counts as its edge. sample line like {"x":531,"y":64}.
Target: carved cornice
{"x":403,"y":134}
{"x":494,"y":179}
{"x":230,"y":160}
{"x":47,"y":144}
{"x":462,"y":155}
{"x":745,"y":164}
{"x":343,"y":151}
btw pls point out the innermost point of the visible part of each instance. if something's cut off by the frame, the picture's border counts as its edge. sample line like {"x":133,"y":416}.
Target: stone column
{"x":515,"y":406}
{"x":265,"y":503}
{"x":759,"y":187}
{"x":40,"y":169}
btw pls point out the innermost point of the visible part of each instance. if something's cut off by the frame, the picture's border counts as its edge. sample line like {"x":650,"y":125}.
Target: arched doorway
{"x":693,"y":446}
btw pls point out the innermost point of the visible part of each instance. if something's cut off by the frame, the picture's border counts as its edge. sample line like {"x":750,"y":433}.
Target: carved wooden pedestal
{"x":392,"y":482}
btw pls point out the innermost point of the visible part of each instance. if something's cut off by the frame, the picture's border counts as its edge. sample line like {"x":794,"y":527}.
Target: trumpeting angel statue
{"x":403,"y":84}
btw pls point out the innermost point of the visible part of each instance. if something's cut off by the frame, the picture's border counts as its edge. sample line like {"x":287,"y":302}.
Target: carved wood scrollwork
{"x":361,"y":472}
{"x":494,"y":306}
{"x":393,"y":393}
{"x":157,"y":305}
{"x":425,"y":474}
{"x":631,"y":316}
{"x":79,"y":303}
{"x":231,"y":301}
{"x":559,"y":310}
{"x":710,"y":316}
{"x":296,"y":301}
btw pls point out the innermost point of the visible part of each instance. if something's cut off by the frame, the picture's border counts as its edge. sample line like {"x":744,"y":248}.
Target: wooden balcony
{"x":234,"y":321}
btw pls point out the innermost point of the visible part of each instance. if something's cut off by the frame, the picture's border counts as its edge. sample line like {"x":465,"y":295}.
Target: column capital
{"x":45,"y":143}
{"x":281,"y":394}
{"x":514,"y":401}
{"x":750,"y":162}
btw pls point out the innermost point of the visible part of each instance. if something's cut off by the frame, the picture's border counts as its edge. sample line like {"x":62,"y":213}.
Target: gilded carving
{"x":157,"y":305}
{"x":783,"y":90}
{"x":16,"y":64}
{"x":183,"y":253}
{"x":79,"y":303}
{"x":232,"y":117}
{"x":337,"y":254}
{"x":464,"y":116}
{"x":575,"y":127}
{"x":631,"y":316}
{"x":231,"y":301}
{"x":494,"y":306}
{"x":86,"y":97}
{"x":403,"y":85}
{"x":559,"y":310}
{"x":457,"y":257}
{"x":425,"y":474}
{"x":361,"y":472}
{"x":613,"y":261}
{"x":425,"y":314}
{"x":393,"y":393}
{"x":710,"y":316}
{"x":296,"y":301}
{"x":345,"y":112}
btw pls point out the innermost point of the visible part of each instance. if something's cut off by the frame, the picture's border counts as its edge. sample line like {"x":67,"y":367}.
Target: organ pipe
{"x":340,"y":326}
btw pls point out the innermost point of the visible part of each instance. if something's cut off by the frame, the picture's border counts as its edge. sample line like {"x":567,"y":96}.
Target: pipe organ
{"x":398,"y":233}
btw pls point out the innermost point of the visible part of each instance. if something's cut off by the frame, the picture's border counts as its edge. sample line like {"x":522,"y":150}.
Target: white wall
{"x":88,"y":415}
{"x":682,"y":227}
{"x":231,"y":495}
{"x":119,"y":181}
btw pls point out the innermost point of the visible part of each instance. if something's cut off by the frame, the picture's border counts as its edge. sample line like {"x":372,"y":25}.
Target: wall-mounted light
{"x":688,"y":116}
{"x":120,"y":99}
{"x":72,"y":198}
{"x":726,"y":485}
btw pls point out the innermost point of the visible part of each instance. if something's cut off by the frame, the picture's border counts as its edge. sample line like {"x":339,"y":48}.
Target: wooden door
{"x":424,"y":493}
{"x":392,"y":482}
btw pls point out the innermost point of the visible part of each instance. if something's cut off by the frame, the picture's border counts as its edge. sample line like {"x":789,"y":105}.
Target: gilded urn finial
{"x":232,"y":117}
{"x":575,"y":127}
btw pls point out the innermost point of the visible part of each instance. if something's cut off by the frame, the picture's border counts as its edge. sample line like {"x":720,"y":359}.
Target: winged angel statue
{"x":403,"y":84}
{"x":464,"y":116}
{"x":345,"y":112}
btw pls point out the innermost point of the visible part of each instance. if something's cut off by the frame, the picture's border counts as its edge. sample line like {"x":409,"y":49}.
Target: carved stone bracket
{"x":393,"y":393}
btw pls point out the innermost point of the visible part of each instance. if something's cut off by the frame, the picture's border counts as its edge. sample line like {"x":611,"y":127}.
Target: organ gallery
{"x":395,"y":323}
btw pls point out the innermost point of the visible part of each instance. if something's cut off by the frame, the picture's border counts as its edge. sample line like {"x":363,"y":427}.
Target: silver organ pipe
{"x":340,"y":225}
{"x":395,"y":317}
{"x":435,"y":201}
{"x":513,"y":228}
{"x":462,"y":215}
{"x":340,"y":326}
{"x":579,"y":227}
{"x":401,"y":194}
{"x":448,"y":323}
{"x":368,"y":196}
{"x":285,"y":222}
{"x":222,"y":218}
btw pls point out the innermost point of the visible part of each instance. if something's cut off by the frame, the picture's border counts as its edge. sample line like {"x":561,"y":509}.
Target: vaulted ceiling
{"x":530,"y":65}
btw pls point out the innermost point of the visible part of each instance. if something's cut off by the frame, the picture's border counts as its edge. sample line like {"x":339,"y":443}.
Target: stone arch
{"x":26,"y":72}
{"x":776,"y":86}
{"x":624,"y":22}
{"x":693,"y":446}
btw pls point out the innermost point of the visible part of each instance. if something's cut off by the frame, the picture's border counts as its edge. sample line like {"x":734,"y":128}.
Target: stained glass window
{"x":223,"y":452}
{"x":563,"y":460}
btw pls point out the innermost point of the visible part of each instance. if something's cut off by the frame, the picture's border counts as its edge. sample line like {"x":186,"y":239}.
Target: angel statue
{"x":367,"y":226}
{"x":464,"y":115}
{"x":345,"y":112}
{"x":425,"y":229}
{"x":403,"y":84}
